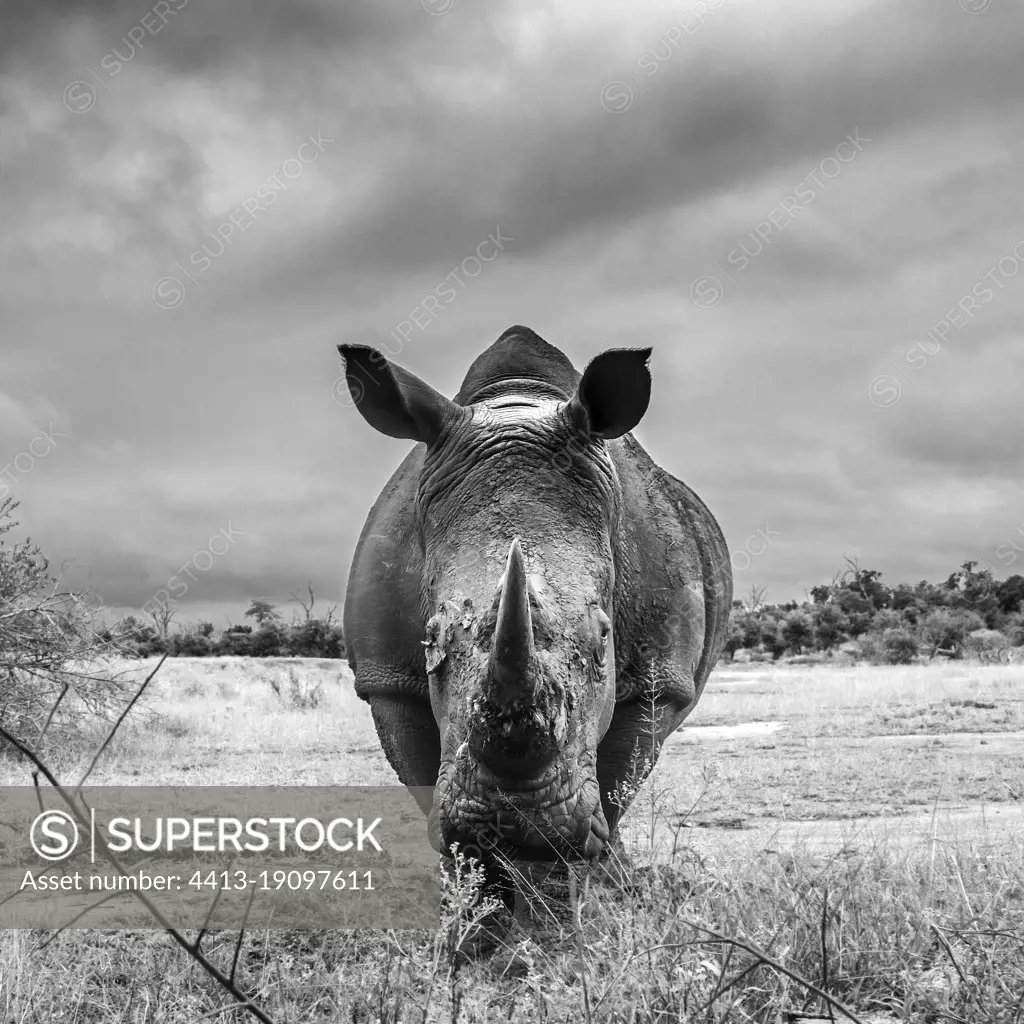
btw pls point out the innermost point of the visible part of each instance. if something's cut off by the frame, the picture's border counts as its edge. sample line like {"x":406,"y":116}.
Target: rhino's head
{"x":517,"y":508}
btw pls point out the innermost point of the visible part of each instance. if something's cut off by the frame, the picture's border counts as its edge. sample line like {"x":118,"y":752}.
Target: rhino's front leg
{"x":411,"y":741}
{"x":631,"y":748}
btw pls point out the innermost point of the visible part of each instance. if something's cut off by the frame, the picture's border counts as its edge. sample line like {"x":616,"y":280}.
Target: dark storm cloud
{"x":199,"y":35}
{"x":446,"y":130}
{"x":702,"y":130}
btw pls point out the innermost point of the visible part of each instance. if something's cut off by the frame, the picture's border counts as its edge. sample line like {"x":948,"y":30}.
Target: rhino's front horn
{"x":513,"y":632}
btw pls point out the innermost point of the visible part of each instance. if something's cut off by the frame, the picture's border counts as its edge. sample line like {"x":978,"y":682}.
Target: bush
{"x":267,"y":641}
{"x":299,"y":694}
{"x":947,"y":628}
{"x":830,"y":626}
{"x":188,"y":645}
{"x":1013,"y":629}
{"x":47,"y":640}
{"x":771,"y":638}
{"x":236,"y":640}
{"x":885,"y":619}
{"x":315,"y":638}
{"x":798,"y":631}
{"x":985,"y":641}
{"x":1010,"y":594}
{"x":898,"y":647}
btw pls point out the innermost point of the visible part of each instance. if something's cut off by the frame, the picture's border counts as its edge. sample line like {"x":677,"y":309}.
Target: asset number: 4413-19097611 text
{"x":324,"y":879}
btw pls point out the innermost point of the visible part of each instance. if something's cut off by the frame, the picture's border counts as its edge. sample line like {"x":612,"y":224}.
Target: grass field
{"x":861,"y":827}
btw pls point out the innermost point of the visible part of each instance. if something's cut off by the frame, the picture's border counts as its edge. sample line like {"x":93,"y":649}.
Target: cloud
{"x":215,"y":400}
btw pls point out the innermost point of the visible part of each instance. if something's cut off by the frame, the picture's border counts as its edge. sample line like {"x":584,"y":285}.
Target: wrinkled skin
{"x":534,"y":605}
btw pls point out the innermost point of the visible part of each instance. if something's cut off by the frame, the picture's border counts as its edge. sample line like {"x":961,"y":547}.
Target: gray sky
{"x":676,"y":176}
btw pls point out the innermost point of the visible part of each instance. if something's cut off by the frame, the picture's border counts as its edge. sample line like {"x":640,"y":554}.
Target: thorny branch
{"x":226,"y":982}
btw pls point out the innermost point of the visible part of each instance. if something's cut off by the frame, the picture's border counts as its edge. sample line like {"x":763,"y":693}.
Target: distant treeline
{"x":311,"y":636}
{"x":858,"y":614}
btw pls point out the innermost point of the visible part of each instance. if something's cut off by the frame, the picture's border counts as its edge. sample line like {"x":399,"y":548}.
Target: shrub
{"x":798,"y":631}
{"x":188,"y":645}
{"x":236,"y":640}
{"x":898,"y":647}
{"x":947,"y":628}
{"x":771,"y":638}
{"x":299,"y":694}
{"x":47,"y":640}
{"x":830,"y":625}
{"x":1010,"y":594}
{"x":1013,"y":629}
{"x":984,"y":641}
{"x":267,"y":641}
{"x":315,"y":638}
{"x":885,"y":619}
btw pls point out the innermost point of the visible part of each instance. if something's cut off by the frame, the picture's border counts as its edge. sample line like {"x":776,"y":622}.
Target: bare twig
{"x":200,"y":958}
{"x":53,"y":710}
{"x":117,"y":724}
{"x":577,"y":929}
{"x":753,"y":950}
{"x":824,"y":946}
{"x":241,"y":932}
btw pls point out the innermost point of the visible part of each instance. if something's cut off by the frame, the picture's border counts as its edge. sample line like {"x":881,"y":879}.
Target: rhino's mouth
{"x":557,"y":815}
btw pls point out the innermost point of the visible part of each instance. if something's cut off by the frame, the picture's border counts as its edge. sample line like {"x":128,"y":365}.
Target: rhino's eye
{"x":604,"y":631}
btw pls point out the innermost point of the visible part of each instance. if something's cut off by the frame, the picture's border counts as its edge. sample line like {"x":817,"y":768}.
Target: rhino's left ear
{"x":614,"y":392}
{"x":393,"y":400}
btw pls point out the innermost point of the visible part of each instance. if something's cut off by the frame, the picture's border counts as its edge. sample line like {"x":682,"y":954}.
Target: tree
{"x":947,"y":628}
{"x":262,"y":611}
{"x":307,"y":607}
{"x":771,"y":637}
{"x":162,"y":611}
{"x":858,"y":610}
{"x":973,"y":589}
{"x":744,"y":632}
{"x":798,"y":630}
{"x":886,"y":618}
{"x":830,"y":625}
{"x":867,"y":583}
{"x":1010,"y":595}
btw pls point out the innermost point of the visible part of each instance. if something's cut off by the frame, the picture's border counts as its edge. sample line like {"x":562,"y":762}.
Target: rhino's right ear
{"x":392,"y":400}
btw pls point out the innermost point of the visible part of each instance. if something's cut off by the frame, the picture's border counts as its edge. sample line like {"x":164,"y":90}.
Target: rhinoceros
{"x":534,"y":605}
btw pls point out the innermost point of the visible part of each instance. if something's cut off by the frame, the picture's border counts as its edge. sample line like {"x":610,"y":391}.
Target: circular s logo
{"x":54,"y":835}
{"x":885,"y":391}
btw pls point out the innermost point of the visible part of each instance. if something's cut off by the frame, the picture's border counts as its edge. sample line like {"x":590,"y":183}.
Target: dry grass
{"x":864,"y":700}
{"x":903,"y":926}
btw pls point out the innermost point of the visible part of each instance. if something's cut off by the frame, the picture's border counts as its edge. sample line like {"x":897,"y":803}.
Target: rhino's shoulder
{"x":675,"y":577}
{"x":383,"y":620}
